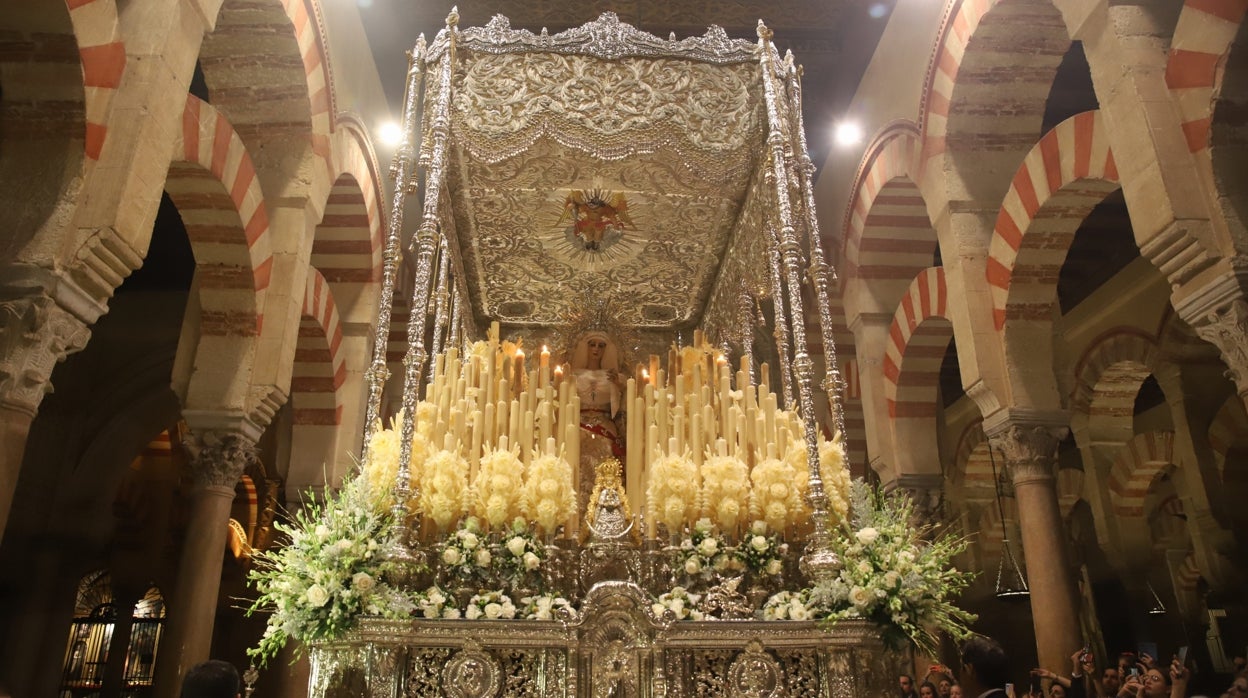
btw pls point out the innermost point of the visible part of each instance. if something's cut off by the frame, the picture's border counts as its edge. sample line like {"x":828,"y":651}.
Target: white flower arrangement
{"x":704,"y":553}
{"x":681,"y":602}
{"x":761,"y":552}
{"x":490,"y":605}
{"x":672,"y":491}
{"x":522,"y":554}
{"x":436,"y":602}
{"x":548,"y":496}
{"x":547,"y":607}
{"x":895,"y":573}
{"x":381,"y":467}
{"x":328,"y":574}
{"x":466,"y":555}
{"x":789,"y":605}
{"x":444,"y":487}
{"x":497,"y":488}
{"x":725,"y":490}
{"x":776,"y":497}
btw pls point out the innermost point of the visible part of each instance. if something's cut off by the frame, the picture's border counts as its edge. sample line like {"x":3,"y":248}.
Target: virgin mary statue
{"x":595,"y":364}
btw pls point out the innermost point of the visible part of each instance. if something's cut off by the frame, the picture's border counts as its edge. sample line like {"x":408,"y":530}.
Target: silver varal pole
{"x":400,"y":172}
{"x":819,"y":562}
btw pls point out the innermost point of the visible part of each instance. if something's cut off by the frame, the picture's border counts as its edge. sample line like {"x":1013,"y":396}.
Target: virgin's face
{"x":596,"y":348}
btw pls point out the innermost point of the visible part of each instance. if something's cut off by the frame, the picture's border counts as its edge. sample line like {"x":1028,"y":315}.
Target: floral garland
{"x":896,"y":573}
{"x":466,"y":557}
{"x":433,"y":603}
{"x":491,"y":605}
{"x":704,"y":553}
{"x":681,"y":602}
{"x":547,"y":607}
{"x":762,"y":554}
{"x":789,"y":605}
{"x":327,"y":575}
{"x":548,"y":497}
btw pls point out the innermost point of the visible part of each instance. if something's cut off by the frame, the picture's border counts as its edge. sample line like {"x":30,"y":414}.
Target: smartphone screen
{"x":1149,"y":648}
{"x":1183,"y":655}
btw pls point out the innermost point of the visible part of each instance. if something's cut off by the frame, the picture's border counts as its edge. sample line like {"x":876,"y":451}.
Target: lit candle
{"x":544,"y":357}
{"x":558,"y":375}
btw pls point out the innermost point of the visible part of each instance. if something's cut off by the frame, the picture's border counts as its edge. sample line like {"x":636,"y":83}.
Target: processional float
{"x":604,"y":181}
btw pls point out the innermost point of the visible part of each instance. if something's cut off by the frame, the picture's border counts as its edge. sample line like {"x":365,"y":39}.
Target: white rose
{"x":542,"y":614}
{"x":864,"y":567}
{"x":531,"y":561}
{"x":696,"y":615}
{"x":509,"y":610}
{"x":493,"y":610}
{"x":798,"y":612}
{"x":692,"y":566}
{"x":859,"y":597}
{"x":473,"y":612}
{"x":774,"y":567}
{"x":469,"y":539}
{"x":905,"y":556}
{"x":362,"y":581}
{"x":450,"y":556}
{"x":758,"y":528}
{"x":891,"y":578}
{"x":451,"y":612}
{"x":867,"y":535}
{"x":759,"y":543}
{"x":483,"y":557}
{"x":702,"y":525}
{"x":317,"y":596}
{"x":708,"y":546}
{"x":516,"y":545}
{"x":657,"y":609}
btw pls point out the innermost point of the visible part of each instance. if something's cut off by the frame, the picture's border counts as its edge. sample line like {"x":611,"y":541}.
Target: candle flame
{"x":520,"y":353}
{"x":545,"y":350}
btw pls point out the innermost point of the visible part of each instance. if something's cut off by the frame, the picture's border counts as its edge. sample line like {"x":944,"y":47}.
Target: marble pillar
{"x":219,"y":457}
{"x":1030,"y":454}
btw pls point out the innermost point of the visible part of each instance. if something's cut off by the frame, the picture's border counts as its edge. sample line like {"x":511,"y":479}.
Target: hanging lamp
{"x":1158,"y":608}
{"x":1011,"y":584}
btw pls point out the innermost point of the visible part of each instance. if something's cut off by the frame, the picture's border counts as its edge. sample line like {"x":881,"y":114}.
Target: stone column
{"x":1225,"y":326}
{"x":219,"y":455}
{"x":36,"y":332}
{"x":1030,"y":454}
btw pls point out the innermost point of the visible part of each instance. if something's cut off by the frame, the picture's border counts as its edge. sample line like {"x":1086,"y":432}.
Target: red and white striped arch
{"x":213,"y":183}
{"x":103,"y":57}
{"x":319,"y":369}
{"x":265,"y":65}
{"x":1186,"y":575}
{"x":1065,"y":175}
{"x":992,"y":57}
{"x":1202,"y":37}
{"x":1107,"y":377}
{"x":972,"y":464}
{"x":348,"y":244}
{"x":888,"y":234}
{"x":990,"y":530}
{"x":1229,"y":432}
{"x":1141,"y":460}
{"x":917,"y":340}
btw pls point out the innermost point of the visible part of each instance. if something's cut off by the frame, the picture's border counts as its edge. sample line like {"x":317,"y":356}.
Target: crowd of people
{"x":985,"y":673}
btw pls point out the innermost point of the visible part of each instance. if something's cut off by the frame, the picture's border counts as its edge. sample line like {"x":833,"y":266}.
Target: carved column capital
{"x":218,"y":457}
{"x":1226,"y":327}
{"x":1029,"y":450}
{"x":35,"y":334}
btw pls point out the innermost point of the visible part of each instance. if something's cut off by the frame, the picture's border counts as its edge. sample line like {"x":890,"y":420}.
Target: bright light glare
{"x":877,"y":10}
{"x":848,"y":133}
{"x":390,"y":133}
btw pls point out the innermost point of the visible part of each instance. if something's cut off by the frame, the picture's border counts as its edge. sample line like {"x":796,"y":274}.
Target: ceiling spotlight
{"x":848,"y":133}
{"x":877,"y":10}
{"x":390,"y":134}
